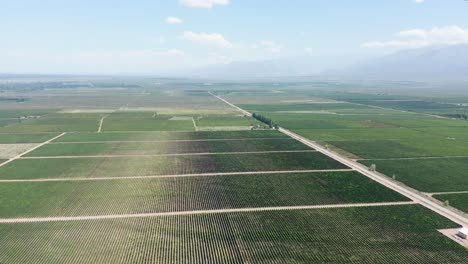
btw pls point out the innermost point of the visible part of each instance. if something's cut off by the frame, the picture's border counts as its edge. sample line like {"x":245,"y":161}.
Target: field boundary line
{"x":31,"y":149}
{"x":194,"y":124}
{"x":168,"y":141}
{"x":198,"y":212}
{"x":167,"y":155}
{"x":415,"y":158}
{"x":214,"y":174}
{"x":442,"y":193}
{"x":101,"y":122}
{"x":378,"y":177}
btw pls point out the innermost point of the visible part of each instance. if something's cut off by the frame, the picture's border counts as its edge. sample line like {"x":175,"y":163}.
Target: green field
{"x":457,"y":200}
{"x":224,"y":121}
{"x":18,"y":138}
{"x":145,"y":121}
{"x":427,"y":175}
{"x":301,"y":107}
{"x":130,"y":196}
{"x":158,"y":135}
{"x":395,"y":234}
{"x":153,"y":148}
{"x":154,"y":136}
{"x":56,"y":123}
{"x":162,"y":165}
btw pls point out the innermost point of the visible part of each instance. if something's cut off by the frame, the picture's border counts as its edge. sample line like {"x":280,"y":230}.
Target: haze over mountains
{"x":436,"y":62}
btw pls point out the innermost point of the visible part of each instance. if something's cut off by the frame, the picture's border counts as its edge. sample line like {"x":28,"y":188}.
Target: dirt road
{"x":173,"y":175}
{"x":29,"y":150}
{"x":220,"y":211}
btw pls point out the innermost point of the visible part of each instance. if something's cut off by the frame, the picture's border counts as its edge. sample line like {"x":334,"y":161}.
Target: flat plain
{"x":147,"y":173}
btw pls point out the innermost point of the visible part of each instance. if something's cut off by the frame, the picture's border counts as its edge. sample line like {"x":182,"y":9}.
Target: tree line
{"x":265,"y":120}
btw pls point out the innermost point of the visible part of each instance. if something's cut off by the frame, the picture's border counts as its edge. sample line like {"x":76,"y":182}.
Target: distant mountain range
{"x":438,"y":63}
{"x":285,"y":67}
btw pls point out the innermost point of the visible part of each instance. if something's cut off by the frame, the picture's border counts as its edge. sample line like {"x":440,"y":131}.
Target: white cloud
{"x":416,"y":38}
{"x":270,"y":46}
{"x":215,"y":39}
{"x":174,"y":20}
{"x":203,"y":3}
{"x":419,"y":1}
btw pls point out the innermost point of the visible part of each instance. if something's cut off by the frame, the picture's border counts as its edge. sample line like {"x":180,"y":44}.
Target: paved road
{"x":166,"y":155}
{"x":172,"y":175}
{"x":220,"y":211}
{"x":31,"y":149}
{"x":415,"y":196}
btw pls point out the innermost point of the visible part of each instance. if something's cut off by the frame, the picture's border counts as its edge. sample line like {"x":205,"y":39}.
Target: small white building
{"x":463,"y":233}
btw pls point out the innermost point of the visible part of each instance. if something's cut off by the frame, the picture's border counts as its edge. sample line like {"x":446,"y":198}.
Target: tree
{"x":373,"y":167}
{"x":265,"y":120}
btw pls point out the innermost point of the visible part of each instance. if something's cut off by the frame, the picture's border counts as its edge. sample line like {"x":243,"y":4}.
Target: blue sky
{"x":155,"y":36}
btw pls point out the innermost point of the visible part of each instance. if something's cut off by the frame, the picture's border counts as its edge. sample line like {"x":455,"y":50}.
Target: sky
{"x":160,"y":36}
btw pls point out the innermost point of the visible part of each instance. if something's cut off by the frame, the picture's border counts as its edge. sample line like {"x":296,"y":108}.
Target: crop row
{"x":165,"y":165}
{"x":394,"y":234}
{"x":160,"y":135}
{"x":139,"y":148}
{"x":153,"y":195}
{"x":427,"y":175}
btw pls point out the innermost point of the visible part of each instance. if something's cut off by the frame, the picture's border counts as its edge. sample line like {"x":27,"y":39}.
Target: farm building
{"x":463,"y":233}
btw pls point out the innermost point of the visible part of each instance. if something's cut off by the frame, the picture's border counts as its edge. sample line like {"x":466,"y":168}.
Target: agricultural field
{"x":90,"y":167}
{"x":417,"y":140}
{"x":458,"y":200}
{"x":155,"y":195}
{"x":165,"y":136}
{"x":18,"y":138}
{"x":427,"y":175}
{"x":143,"y":170}
{"x":225,"y":121}
{"x":56,"y":123}
{"x":400,"y":234}
{"x":155,"y":148}
{"x":146,"y":121}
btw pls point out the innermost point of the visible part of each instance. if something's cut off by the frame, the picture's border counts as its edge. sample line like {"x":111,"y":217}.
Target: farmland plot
{"x":145,"y":121}
{"x":427,"y":175}
{"x":8,"y":151}
{"x":143,"y":166}
{"x":225,"y":121}
{"x":151,"y":148}
{"x":153,"y":195}
{"x":56,"y":123}
{"x":393,"y":234}
{"x":457,"y":200}
{"x":161,"y":135}
{"x":18,"y":138}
